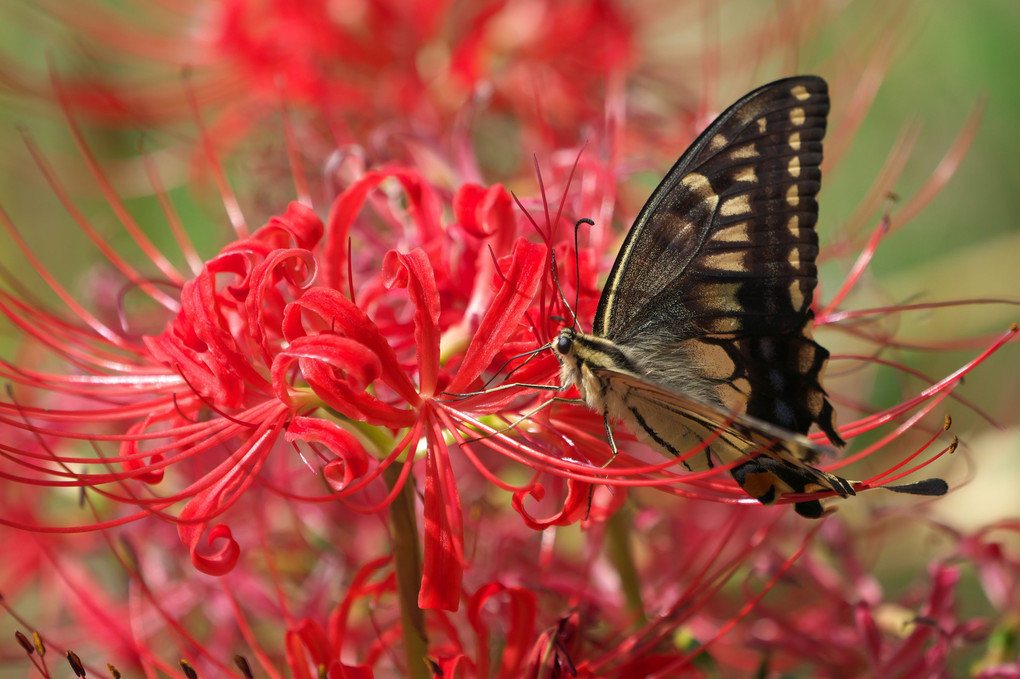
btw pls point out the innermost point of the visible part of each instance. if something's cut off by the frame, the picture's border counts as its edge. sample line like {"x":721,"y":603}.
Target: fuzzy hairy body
{"x":594,"y":366}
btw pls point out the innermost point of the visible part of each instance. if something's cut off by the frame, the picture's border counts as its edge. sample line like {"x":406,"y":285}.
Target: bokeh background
{"x":945,"y":60}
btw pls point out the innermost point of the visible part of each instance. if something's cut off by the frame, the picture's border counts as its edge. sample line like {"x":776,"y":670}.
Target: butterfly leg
{"x":612,"y":447}
{"x":502,"y":387}
{"x":609,"y":439}
{"x":536,"y":410}
{"x":554,"y":399}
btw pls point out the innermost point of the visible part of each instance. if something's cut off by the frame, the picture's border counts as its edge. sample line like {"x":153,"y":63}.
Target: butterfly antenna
{"x":563,"y":297}
{"x":577,"y":264}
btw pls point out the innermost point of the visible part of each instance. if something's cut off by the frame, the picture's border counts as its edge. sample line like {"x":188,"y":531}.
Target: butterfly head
{"x":563,"y":347}
{"x":578,"y":353}
{"x":583,"y":356}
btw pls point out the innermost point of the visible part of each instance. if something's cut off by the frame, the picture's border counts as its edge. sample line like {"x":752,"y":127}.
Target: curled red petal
{"x":359,"y":363}
{"x":413,"y":271}
{"x":297,"y":268}
{"x":355,"y":403}
{"x":465,"y":209}
{"x":340,"y":315}
{"x":338,"y":370}
{"x":423,"y":204}
{"x":219,"y":562}
{"x":298,"y":228}
{"x":514,"y":297}
{"x":485,"y":211}
{"x":301,"y":222}
{"x":341,"y":214}
{"x":237,"y":260}
{"x":204,"y":374}
{"x":575,"y":505}
{"x":352,"y":461}
{"x":200,"y":341}
{"x":423,"y":207}
{"x":230,"y":479}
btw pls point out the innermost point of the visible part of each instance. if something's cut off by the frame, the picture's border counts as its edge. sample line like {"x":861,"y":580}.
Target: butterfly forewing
{"x":730,"y":229}
{"x":717,"y":275}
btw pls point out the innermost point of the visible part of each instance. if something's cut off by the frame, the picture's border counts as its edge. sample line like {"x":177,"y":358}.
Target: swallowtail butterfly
{"x":703,"y":330}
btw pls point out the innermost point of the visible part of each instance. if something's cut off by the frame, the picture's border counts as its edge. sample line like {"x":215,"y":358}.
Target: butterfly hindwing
{"x":776,"y":378}
{"x":771,"y":460}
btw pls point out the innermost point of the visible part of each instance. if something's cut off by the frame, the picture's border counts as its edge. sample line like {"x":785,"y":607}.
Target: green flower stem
{"x":407,"y":562}
{"x":620,"y":553}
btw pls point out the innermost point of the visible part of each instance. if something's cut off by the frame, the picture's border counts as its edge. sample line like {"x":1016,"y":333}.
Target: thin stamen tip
{"x":40,"y":647}
{"x":24,"y":642}
{"x":242,"y":664}
{"x":75,"y":662}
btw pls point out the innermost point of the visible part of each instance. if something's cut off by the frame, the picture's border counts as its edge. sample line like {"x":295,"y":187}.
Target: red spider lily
{"x":260,"y":347}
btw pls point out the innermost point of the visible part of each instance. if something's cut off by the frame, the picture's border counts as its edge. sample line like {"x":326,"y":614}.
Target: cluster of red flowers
{"x":302,"y":468}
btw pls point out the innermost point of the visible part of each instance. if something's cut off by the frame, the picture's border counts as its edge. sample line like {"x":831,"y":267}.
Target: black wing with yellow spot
{"x":718,"y":272}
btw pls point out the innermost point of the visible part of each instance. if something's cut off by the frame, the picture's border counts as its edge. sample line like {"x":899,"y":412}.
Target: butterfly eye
{"x":563,"y":344}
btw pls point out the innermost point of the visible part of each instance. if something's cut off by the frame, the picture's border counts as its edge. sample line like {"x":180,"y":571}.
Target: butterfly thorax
{"x":605,"y":375}
{"x":582,"y":357}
